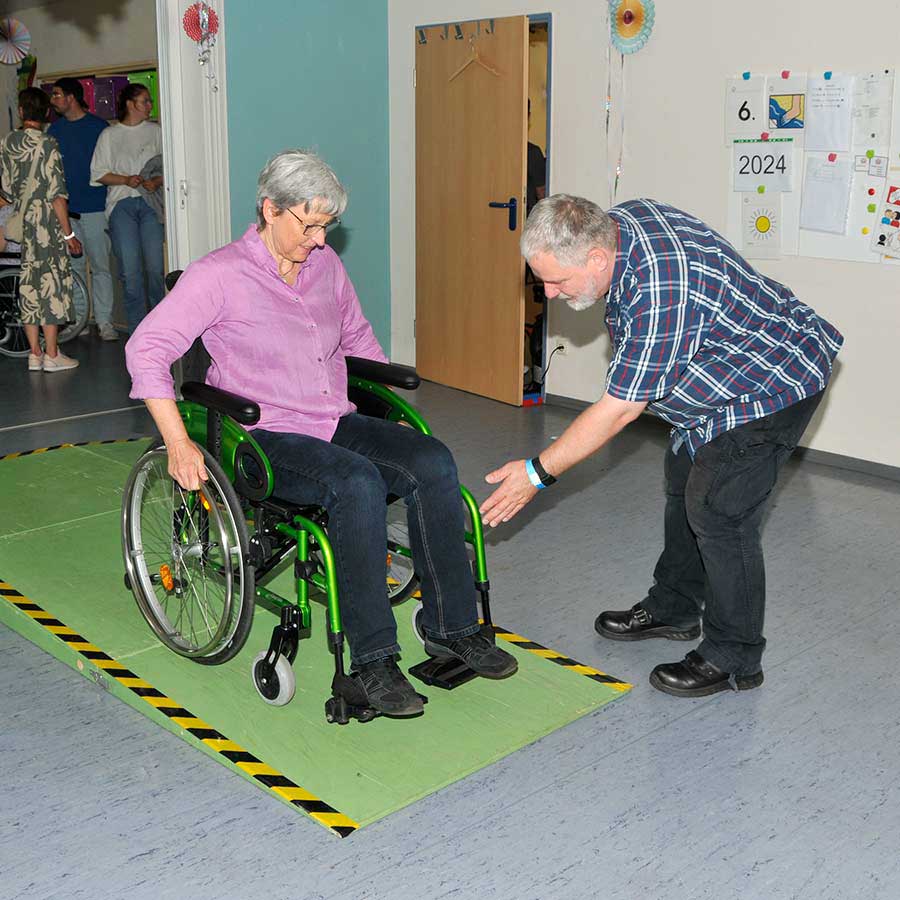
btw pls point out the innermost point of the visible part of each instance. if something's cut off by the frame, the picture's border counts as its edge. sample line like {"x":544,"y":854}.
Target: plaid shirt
{"x":701,"y":336}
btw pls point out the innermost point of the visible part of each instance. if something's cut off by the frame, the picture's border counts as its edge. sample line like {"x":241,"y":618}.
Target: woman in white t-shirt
{"x":121,"y":153}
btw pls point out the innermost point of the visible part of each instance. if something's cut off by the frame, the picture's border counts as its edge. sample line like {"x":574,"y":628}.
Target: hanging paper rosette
{"x":15,"y":41}
{"x":631,"y":22}
{"x":201,"y":23}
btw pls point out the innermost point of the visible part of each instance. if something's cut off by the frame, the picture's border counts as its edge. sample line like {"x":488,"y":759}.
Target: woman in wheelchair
{"x":278,"y":315}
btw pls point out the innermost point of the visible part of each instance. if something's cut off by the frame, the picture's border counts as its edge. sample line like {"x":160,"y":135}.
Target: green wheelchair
{"x":197,"y":561}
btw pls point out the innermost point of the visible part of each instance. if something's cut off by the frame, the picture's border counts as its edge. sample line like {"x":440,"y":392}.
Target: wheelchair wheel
{"x":277,"y":688}
{"x":401,"y":576}
{"x":186,"y":559}
{"x":12,"y":335}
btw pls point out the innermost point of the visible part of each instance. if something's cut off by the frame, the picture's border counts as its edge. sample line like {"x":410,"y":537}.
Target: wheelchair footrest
{"x":447,"y":673}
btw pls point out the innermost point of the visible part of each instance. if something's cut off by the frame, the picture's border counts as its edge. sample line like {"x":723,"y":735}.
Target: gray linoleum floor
{"x":789,"y":791}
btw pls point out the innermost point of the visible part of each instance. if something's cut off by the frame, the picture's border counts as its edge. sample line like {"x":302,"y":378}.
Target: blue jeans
{"x":712,"y":567}
{"x":351,"y":476}
{"x":90,"y":229}
{"x":137,"y":240}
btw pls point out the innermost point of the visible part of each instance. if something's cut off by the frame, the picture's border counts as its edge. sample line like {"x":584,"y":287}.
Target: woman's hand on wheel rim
{"x":186,"y":464}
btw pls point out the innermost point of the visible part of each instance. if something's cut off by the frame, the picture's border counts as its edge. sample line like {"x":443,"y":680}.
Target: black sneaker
{"x":387,"y":689}
{"x":477,"y":651}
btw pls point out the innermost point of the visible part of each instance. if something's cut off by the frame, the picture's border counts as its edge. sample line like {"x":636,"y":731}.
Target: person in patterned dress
{"x":46,"y":286}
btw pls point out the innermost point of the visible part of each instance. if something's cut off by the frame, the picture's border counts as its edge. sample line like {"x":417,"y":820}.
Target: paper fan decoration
{"x":631,"y":22}
{"x":15,"y":41}
{"x":200,"y":22}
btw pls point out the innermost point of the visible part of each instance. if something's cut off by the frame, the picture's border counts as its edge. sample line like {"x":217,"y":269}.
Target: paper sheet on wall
{"x":761,"y":226}
{"x":745,"y":108}
{"x":762,"y":164}
{"x":786,"y":97}
{"x":826,"y":194}
{"x":829,"y":108}
{"x":886,"y":234}
{"x":873,"y":94}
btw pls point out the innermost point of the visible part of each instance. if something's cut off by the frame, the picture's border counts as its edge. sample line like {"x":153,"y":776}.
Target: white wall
{"x":75,"y":35}
{"x":674,"y":152}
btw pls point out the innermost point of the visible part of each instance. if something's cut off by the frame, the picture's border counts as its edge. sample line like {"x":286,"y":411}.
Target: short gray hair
{"x":568,"y":228}
{"x":300,"y":176}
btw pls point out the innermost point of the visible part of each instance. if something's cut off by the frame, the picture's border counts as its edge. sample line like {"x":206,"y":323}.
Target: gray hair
{"x":568,"y":228}
{"x":299,"y":176}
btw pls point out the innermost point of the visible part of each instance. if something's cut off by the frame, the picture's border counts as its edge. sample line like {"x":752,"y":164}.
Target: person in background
{"x":77,"y":132}
{"x":137,"y":234}
{"x":45,"y":285}
{"x":536,"y":187}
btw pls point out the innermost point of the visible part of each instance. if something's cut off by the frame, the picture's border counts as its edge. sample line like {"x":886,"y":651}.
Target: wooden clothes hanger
{"x":474,"y":57}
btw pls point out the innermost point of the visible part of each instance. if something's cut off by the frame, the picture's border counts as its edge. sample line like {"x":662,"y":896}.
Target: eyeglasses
{"x":309,"y":229}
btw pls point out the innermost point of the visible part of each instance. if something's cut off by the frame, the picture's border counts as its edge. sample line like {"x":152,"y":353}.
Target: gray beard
{"x":584,"y":301}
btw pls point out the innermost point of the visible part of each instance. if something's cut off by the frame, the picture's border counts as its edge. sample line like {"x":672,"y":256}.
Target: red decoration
{"x":832,"y":157}
{"x":193,"y":27}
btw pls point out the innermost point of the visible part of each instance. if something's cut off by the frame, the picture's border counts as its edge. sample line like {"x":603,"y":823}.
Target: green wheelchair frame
{"x":180,"y":546}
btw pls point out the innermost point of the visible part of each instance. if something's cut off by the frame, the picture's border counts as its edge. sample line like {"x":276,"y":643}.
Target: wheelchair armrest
{"x":384,"y":373}
{"x":244,"y":411}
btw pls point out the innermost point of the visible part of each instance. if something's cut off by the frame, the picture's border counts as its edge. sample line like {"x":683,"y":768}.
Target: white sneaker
{"x":35,"y":363}
{"x":108,"y":332}
{"x":59,"y":363}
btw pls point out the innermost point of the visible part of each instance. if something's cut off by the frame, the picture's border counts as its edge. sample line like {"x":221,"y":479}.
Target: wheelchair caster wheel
{"x":275,"y":684}
{"x":418,"y":614}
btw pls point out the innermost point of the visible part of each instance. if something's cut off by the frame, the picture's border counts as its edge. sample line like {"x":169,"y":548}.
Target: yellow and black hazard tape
{"x":22,"y":453}
{"x":560,"y":659}
{"x":267,"y":776}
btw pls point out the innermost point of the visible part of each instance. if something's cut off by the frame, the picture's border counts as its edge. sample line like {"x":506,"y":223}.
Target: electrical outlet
{"x":562,"y":346}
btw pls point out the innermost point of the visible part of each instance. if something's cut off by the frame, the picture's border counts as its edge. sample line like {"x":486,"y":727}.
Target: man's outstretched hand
{"x":514,"y":492}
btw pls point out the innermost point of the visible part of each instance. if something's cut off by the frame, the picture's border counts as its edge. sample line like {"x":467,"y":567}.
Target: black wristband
{"x":546,"y":478}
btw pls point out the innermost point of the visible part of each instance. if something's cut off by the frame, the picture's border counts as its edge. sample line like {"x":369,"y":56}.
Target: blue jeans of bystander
{"x":137,"y":240}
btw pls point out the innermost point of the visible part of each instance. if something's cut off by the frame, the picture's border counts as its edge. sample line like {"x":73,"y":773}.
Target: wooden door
{"x":471,"y":148}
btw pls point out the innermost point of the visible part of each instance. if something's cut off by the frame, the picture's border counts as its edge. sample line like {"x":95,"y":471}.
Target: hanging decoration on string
{"x":15,"y":41}
{"x":631,"y":22}
{"x":201,"y":25}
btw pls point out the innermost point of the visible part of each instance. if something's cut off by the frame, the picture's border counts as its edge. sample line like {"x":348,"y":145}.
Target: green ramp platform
{"x":62,"y":589}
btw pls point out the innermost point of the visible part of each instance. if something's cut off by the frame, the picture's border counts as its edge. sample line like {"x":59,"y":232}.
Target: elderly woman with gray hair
{"x":278,"y":315}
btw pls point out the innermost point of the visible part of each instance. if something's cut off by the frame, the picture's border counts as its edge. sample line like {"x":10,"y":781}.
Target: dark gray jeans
{"x":351,"y":476}
{"x":712,"y":565}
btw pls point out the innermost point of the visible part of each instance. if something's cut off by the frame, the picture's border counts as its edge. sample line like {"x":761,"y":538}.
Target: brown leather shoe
{"x":695,"y":677}
{"x":636,"y":624}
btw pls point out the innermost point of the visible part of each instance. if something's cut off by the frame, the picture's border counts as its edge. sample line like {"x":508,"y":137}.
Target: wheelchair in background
{"x":197,"y":561}
{"x":13,"y":341}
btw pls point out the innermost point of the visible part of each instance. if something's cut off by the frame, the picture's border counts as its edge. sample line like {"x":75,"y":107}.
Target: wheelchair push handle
{"x":384,"y":373}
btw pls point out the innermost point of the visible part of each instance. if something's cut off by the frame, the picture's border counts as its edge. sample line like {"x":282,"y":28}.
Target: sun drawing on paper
{"x":762,"y":223}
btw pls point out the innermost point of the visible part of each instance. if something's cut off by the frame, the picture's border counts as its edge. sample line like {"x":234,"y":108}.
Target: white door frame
{"x":202,"y":133}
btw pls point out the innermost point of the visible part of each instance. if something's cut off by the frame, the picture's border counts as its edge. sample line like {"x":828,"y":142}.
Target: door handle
{"x":512,"y":206}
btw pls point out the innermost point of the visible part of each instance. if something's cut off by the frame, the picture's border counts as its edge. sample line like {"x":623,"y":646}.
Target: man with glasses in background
{"x":77,"y":130}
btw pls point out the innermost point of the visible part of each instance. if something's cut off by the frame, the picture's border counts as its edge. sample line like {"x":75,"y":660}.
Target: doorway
{"x":538,"y":171}
{"x":472,"y":86}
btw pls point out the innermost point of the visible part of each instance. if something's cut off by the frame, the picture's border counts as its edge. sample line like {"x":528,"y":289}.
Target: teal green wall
{"x":314,"y":74}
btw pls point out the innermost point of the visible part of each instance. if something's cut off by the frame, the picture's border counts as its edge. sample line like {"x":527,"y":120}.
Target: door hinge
{"x":414,"y":78}
{"x":414,"y":327}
